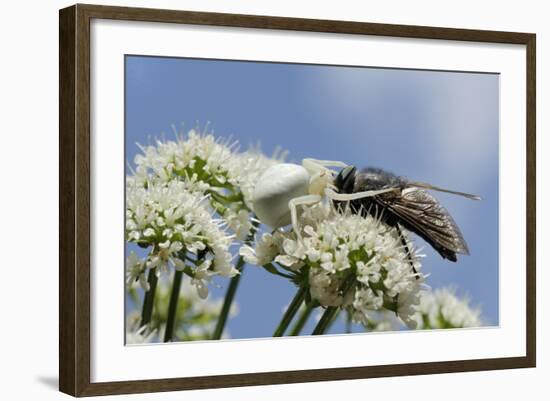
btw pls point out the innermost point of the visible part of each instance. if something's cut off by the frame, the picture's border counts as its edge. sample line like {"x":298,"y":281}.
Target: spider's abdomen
{"x":275,"y":188}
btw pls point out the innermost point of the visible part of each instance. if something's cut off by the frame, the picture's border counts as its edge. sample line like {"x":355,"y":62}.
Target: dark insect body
{"x":410,"y":207}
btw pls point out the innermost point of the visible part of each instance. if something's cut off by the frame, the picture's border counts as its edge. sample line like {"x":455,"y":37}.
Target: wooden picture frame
{"x":75,"y":199}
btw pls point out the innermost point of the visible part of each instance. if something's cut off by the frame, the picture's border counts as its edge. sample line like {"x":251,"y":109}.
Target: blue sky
{"x":431,"y":126}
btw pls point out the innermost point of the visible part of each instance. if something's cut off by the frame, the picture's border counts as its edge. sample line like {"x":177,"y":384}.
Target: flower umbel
{"x":187,"y":200}
{"x":172,"y":221}
{"x":436,"y":309}
{"x":208,"y":165}
{"x":347,"y":250}
{"x":443,"y":309}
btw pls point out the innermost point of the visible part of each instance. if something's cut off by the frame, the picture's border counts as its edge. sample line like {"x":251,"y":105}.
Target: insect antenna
{"x":432,"y":187}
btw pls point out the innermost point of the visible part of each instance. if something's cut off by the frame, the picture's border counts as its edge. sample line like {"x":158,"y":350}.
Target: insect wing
{"x":429,"y":219}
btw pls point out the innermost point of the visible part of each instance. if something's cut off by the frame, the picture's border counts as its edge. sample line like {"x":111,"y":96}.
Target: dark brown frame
{"x":74,"y":199}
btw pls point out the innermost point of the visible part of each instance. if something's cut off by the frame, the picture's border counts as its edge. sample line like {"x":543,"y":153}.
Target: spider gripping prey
{"x":401,"y":203}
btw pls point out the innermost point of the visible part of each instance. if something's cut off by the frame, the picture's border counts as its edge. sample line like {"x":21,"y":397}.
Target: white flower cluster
{"x":180,"y":199}
{"x":443,"y":309}
{"x":354,"y":262}
{"x":210,"y":166}
{"x":173,"y":221}
{"x":200,"y":158}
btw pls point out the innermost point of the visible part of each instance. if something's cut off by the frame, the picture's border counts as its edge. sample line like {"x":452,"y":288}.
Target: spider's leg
{"x":319,"y":167}
{"x":324,"y":163}
{"x":357,"y":195}
{"x":301,"y":200}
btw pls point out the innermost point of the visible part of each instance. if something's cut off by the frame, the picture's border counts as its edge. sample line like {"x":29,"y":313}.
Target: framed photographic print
{"x":250,"y":200}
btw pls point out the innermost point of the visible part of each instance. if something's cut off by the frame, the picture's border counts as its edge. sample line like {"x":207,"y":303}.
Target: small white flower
{"x":367,"y":300}
{"x":149,"y":232}
{"x":140,"y":336}
{"x":325,"y":288}
{"x":368,"y":272}
{"x":136,"y":334}
{"x":135,"y":271}
{"x":407,"y":301}
{"x":442,"y":309}
{"x":240,"y":222}
{"x":202,"y":276}
{"x":294,"y":254}
{"x":266,"y":249}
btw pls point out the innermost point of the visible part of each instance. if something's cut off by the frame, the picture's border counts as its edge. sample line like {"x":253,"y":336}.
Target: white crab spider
{"x":283,"y":187}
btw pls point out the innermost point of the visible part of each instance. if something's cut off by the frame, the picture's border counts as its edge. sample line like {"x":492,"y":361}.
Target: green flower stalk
{"x":290,"y":312}
{"x":194,"y":317}
{"x":305,"y":313}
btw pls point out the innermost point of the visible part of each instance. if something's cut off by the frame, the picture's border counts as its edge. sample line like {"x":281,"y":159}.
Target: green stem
{"x":330,"y":313}
{"x":149,"y":298}
{"x":232,"y":289}
{"x":291,"y":311}
{"x":229,"y":296}
{"x":325,"y":320}
{"x":334,"y":318}
{"x":299,"y":325}
{"x":348,"y":322}
{"x":173,"y":306}
{"x":273,"y":270}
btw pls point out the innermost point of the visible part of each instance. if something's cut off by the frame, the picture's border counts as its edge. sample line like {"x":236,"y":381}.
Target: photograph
{"x":270,"y":199}
{"x":252,"y":199}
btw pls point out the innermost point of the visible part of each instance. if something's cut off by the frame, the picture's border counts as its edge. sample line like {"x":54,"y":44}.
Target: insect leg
{"x":404,"y":242}
{"x":301,"y":200}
